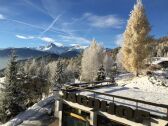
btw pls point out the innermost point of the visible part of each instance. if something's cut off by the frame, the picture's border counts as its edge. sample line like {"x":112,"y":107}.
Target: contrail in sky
{"x":51,"y":25}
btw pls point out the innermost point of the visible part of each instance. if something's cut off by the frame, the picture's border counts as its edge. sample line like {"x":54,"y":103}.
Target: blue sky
{"x":32,"y":23}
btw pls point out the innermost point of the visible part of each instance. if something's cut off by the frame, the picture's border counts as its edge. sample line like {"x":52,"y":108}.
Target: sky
{"x":33,"y":23}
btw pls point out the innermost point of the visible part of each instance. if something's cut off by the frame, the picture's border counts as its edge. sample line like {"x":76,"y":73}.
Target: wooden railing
{"x":76,"y":87}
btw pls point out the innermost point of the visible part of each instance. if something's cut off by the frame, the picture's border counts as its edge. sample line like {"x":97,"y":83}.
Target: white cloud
{"x":58,"y":44}
{"x":25,"y":37}
{"x":47,"y":39}
{"x":75,"y":39}
{"x":2,"y":17}
{"x":107,"y":21}
{"x":119,"y":40}
{"x":74,"y":44}
{"x":44,"y":39}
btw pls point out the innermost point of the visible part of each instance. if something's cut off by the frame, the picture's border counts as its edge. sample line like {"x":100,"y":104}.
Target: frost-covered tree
{"x":58,"y":79}
{"x":108,"y":63}
{"x":32,"y":67}
{"x":134,"y":49}
{"x":91,"y":60}
{"x":40,"y":68}
{"x":101,"y":75}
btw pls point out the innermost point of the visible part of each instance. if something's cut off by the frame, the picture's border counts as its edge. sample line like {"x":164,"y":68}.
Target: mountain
{"x":22,"y":53}
{"x":72,"y":53}
{"x":52,"y":48}
{"x":50,"y":52}
{"x":62,"y":50}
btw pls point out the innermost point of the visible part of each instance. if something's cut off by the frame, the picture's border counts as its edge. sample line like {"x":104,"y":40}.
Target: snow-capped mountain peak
{"x":53,"y":48}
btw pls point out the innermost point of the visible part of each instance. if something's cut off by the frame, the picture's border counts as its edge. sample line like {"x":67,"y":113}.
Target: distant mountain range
{"x":51,"y":50}
{"x":22,"y":52}
{"x":43,"y":50}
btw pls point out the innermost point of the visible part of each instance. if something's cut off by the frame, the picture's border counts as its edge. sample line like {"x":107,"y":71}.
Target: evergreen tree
{"x":101,"y":74}
{"x":12,"y":92}
{"x":134,"y":49}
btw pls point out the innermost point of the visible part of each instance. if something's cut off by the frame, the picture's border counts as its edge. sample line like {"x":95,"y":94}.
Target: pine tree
{"x":12,"y":92}
{"x":59,"y":75}
{"x":91,"y":60}
{"x":101,"y":74}
{"x":134,"y":49}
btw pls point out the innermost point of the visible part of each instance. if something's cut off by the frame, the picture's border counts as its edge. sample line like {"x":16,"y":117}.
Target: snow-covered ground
{"x":132,"y":93}
{"x":152,"y":89}
{"x":154,"y":84}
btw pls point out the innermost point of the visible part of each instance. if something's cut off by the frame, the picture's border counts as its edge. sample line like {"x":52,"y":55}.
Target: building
{"x":105,"y":104}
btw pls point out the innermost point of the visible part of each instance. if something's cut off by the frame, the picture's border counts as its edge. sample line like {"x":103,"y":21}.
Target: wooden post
{"x":136,"y":105}
{"x":167,"y":113}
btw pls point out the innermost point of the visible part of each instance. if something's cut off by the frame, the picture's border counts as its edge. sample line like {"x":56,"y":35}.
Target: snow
{"x":33,"y":113}
{"x":2,"y":79}
{"x":77,"y":47}
{"x":152,"y":89}
{"x":132,"y":93}
{"x":145,"y":83}
{"x":53,"y":48}
{"x":159,"y":60}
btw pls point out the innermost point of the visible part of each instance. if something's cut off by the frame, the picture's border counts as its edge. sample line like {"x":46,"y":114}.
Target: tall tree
{"x":91,"y":60}
{"x":13,"y":98}
{"x":134,"y":49}
{"x":59,"y":75}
